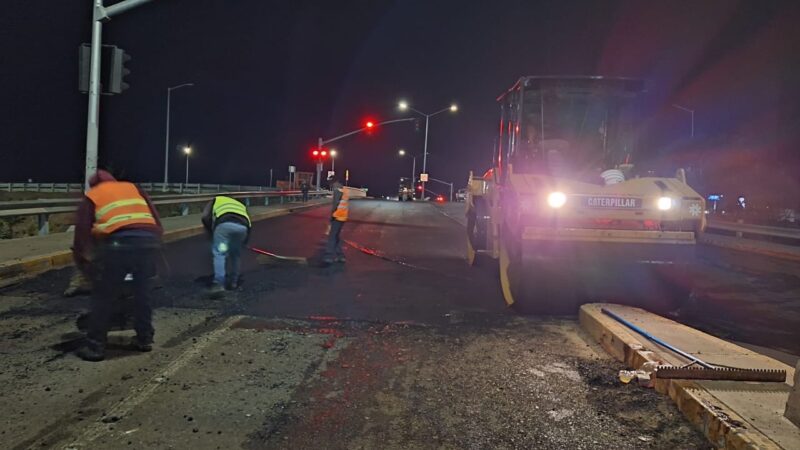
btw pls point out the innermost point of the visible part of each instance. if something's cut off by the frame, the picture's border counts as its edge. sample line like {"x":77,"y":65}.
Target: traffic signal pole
{"x":321,"y":142}
{"x":100,"y":14}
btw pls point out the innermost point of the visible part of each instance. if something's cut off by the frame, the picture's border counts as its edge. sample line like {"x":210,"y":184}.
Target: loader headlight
{"x":556,"y":199}
{"x":665,"y":203}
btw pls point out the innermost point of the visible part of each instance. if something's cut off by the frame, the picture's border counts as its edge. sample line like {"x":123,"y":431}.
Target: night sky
{"x":271,"y":77}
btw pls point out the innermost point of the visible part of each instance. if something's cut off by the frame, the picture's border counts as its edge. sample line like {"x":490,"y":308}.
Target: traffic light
{"x":112,"y":71}
{"x":369,"y":125}
{"x":315,"y":153}
{"x":118,"y":71}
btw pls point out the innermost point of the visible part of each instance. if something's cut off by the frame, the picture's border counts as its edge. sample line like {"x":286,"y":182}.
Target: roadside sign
{"x":347,"y":175}
{"x":292,"y":169}
{"x":330,"y":173}
{"x":423,"y":177}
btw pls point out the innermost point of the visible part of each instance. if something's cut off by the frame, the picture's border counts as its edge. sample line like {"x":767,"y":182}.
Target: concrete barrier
{"x":733,"y":415}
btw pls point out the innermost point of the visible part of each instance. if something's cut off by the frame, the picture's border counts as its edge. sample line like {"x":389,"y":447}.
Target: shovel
{"x":272,"y":257}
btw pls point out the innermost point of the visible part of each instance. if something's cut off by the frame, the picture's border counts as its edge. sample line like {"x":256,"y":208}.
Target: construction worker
{"x":119,"y":227}
{"x":339,"y":215}
{"x":304,"y":189}
{"x":229,"y":224}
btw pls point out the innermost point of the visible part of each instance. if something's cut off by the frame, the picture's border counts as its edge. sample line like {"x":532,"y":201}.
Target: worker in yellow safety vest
{"x":119,"y":227}
{"x":229,"y":224}
{"x":339,"y":214}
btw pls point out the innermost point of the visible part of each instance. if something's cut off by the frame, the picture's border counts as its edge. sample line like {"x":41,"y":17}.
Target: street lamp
{"x":166,"y":140}
{"x":690,"y":111}
{"x":402,"y":152}
{"x":188,"y":151}
{"x":333,"y":159}
{"x":403,"y":106}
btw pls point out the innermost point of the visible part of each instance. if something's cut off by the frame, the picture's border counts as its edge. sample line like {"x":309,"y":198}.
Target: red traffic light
{"x":324,"y":153}
{"x":370,"y":124}
{"x":315,"y":153}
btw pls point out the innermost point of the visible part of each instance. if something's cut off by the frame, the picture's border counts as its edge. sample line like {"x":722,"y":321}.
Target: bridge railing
{"x":43,"y":208}
{"x":745,"y":230}
{"x":196,"y":188}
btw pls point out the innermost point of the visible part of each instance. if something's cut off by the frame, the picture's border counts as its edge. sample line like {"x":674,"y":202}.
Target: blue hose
{"x":655,"y":339}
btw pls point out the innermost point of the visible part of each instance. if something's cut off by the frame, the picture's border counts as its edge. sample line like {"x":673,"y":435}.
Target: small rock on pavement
{"x":111,"y":419}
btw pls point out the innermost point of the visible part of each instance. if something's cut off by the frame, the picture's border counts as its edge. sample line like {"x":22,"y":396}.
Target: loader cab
{"x":573,"y":128}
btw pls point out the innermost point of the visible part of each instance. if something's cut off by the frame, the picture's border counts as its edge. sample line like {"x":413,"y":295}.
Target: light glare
{"x":664,"y":203}
{"x":556,"y":199}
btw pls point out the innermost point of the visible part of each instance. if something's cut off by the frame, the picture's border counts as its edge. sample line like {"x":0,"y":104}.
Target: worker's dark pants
{"x":305,"y":196}
{"x":333,"y":248}
{"x":119,"y":257}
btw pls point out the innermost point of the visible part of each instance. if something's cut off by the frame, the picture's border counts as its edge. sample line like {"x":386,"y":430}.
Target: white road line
{"x":142,"y":393}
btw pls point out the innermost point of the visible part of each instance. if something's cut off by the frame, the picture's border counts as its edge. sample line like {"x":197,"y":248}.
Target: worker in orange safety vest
{"x":117,"y":224}
{"x":339,"y":214}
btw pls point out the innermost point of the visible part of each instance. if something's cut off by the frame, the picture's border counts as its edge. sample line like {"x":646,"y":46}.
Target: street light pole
{"x":188,"y":151}
{"x":166,"y":141}
{"x":691,"y":112}
{"x":403,"y":106}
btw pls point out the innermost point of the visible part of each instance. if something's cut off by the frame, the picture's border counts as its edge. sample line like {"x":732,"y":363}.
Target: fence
{"x":744,"y":230}
{"x":154,"y":188}
{"x":43,"y":208}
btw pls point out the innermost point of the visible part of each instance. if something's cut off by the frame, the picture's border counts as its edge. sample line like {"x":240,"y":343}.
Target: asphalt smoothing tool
{"x":272,"y":258}
{"x":698,"y":369}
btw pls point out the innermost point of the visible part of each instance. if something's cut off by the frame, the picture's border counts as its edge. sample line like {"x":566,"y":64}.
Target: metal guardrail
{"x":742,"y":229}
{"x":195,"y":188}
{"x":43,"y":208}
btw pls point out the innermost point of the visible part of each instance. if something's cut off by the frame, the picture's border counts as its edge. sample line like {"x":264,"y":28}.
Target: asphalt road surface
{"x":402,"y":347}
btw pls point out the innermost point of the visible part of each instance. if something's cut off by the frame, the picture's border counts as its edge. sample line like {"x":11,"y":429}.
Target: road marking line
{"x":125,"y":406}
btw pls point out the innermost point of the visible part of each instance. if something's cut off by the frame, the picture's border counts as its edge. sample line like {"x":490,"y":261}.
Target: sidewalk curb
{"x":33,"y":266}
{"x":723,"y":427}
{"x":744,"y":246}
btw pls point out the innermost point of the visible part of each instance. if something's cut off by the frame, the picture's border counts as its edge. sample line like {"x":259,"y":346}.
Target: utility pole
{"x":100,"y":14}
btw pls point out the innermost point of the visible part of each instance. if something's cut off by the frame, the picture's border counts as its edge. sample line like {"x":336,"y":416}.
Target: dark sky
{"x":273,"y":76}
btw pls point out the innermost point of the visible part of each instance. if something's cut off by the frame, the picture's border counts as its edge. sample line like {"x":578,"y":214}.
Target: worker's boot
{"x":143,"y":344}
{"x":78,"y":285}
{"x":216,"y":291}
{"x":93,"y":351}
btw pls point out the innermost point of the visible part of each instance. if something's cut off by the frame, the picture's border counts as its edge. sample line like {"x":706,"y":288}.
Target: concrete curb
{"x":743,"y":245}
{"x":17,"y":271}
{"x":721,"y":425}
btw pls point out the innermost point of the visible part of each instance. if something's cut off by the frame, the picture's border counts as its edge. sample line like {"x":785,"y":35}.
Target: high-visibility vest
{"x":118,"y":204}
{"x":226,"y":205}
{"x":343,"y":208}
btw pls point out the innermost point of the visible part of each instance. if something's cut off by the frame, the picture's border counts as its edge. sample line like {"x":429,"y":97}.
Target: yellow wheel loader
{"x":563,"y":209}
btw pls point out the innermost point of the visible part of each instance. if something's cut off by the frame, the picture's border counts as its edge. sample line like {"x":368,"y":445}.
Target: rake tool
{"x":273,"y":257}
{"x":699,"y":369}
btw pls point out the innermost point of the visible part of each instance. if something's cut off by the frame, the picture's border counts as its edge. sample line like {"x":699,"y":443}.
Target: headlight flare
{"x":556,"y":199}
{"x":665,"y":203}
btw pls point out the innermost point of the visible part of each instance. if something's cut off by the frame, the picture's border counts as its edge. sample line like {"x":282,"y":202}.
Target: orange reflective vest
{"x":343,"y":208}
{"x":118,"y":204}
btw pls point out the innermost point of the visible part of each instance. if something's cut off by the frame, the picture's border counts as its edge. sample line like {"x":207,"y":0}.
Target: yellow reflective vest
{"x":226,"y":205}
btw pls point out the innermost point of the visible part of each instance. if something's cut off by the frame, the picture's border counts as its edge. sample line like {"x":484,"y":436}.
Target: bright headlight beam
{"x":664,"y":203}
{"x":556,"y":199}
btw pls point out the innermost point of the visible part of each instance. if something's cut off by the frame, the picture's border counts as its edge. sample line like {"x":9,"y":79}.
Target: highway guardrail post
{"x":44,"y":224}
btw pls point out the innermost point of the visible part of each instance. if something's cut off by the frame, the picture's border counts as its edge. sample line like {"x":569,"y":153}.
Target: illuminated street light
{"x":402,"y":152}
{"x":333,"y":159}
{"x":403,"y":106}
{"x":187,"y":151}
{"x":166,"y":140}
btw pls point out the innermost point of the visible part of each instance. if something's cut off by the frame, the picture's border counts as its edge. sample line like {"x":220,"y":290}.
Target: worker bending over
{"x":228,"y":222}
{"x":119,"y":227}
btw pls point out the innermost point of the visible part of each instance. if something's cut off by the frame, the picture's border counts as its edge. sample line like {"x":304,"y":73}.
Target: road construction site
{"x":404,"y":346}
